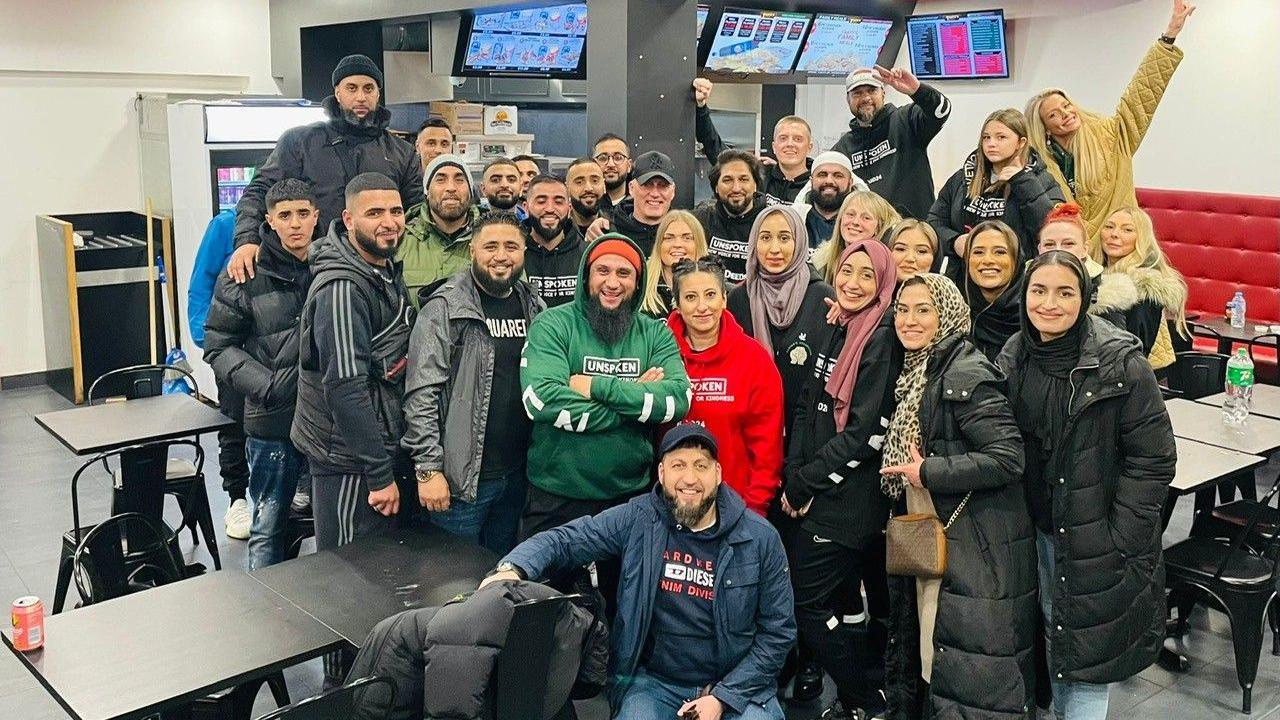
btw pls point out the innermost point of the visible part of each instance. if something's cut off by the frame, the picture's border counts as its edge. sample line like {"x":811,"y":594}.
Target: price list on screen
{"x":958,"y":46}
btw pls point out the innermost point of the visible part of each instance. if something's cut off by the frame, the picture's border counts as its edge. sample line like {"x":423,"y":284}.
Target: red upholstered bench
{"x":1221,"y":243}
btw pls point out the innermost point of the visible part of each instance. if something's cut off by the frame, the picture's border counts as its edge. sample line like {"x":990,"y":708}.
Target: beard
{"x":830,"y":205}
{"x":361,"y":122}
{"x":609,"y":325}
{"x":494,"y":286}
{"x":864,"y":114}
{"x":611,"y":185}
{"x":464,"y":207}
{"x":546,"y":233}
{"x":689,"y":515}
{"x":369,"y":244}
{"x":497,"y":202}
{"x":588,"y":212}
{"x":737,"y":207}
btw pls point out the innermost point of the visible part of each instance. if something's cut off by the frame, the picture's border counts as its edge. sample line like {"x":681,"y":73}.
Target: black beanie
{"x":356,"y":65}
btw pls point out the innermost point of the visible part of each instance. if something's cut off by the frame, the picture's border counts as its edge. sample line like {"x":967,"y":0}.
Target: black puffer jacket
{"x":728,"y":236}
{"x":442,"y":660}
{"x":1032,"y":193}
{"x":327,"y":155}
{"x":1109,"y":477}
{"x":251,"y":337}
{"x":984,"y":633}
{"x":840,"y":471}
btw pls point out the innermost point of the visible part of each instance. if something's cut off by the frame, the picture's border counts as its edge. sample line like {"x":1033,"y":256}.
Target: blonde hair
{"x":920,"y":226}
{"x":1015,"y":121}
{"x":1147,"y":255}
{"x":1084,"y":146}
{"x":651,"y":302}
{"x":828,"y":253}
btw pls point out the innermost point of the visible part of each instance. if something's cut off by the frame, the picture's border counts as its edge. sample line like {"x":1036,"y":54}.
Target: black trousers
{"x":544,"y":511}
{"x":848,"y":644}
{"x":233,"y":462}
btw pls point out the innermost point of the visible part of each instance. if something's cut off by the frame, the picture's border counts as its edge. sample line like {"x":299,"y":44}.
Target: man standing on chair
{"x":705,"y":610}
{"x":251,"y":340}
{"x":352,"y":352}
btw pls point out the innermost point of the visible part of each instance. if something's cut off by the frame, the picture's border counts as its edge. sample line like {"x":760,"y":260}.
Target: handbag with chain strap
{"x":916,"y":543}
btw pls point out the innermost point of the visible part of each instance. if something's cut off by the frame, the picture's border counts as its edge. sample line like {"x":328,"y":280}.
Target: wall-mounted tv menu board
{"x":958,"y":46}
{"x":536,"y":42}
{"x":757,"y":41}
{"x":840,"y":44}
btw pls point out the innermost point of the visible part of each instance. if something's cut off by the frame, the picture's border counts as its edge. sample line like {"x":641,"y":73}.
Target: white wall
{"x":1213,"y":129}
{"x":69,"y":71}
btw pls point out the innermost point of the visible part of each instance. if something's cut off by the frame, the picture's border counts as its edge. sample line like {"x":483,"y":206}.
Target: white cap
{"x":862,"y":76}
{"x":831,"y":157}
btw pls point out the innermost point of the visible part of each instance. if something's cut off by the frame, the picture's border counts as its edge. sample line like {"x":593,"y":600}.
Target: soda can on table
{"x":27,"y":619}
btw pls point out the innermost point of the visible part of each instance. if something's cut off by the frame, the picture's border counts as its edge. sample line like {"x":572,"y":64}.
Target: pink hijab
{"x":859,"y":325}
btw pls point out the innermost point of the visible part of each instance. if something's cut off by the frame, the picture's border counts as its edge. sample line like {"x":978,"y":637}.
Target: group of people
{"x":824,"y":345}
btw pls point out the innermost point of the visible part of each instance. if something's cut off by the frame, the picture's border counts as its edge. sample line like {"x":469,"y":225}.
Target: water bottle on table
{"x":1237,"y":310}
{"x":1239,"y":389}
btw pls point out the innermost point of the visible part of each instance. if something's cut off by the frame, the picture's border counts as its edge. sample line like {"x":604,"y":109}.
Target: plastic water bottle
{"x":1239,"y":389}
{"x":1237,"y":310}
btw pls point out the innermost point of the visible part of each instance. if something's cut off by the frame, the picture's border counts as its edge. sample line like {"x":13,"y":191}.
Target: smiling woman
{"x":993,"y":266}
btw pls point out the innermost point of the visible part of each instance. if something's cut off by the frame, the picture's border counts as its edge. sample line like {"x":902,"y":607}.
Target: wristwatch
{"x":1167,"y":39}
{"x":424,"y":476}
{"x":506,"y":566}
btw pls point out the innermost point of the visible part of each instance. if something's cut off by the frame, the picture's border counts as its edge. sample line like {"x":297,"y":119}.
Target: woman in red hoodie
{"x":737,"y":391}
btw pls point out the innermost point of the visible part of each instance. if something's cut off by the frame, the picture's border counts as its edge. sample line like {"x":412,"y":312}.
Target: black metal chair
{"x":124,"y":554}
{"x":72,"y":539}
{"x":1266,"y":369}
{"x":183,"y":480}
{"x":526,"y":685}
{"x":1197,"y":374}
{"x":298,"y":526}
{"x":1233,"y":577}
{"x":342,"y":703}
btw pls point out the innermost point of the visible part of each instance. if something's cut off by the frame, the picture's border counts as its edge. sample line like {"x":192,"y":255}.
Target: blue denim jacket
{"x":753,"y":608}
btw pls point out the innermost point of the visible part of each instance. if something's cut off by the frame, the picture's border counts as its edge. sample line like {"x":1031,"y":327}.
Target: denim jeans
{"x":275,"y":470}
{"x":651,"y":698}
{"x":494,"y":518}
{"x":1071,"y":700}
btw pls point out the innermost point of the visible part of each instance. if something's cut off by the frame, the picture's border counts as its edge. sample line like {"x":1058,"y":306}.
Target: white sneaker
{"x":237,"y":520}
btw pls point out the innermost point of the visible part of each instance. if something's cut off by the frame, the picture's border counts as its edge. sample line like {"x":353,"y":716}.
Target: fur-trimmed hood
{"x":1159,"y":287}
{"x":1115,"y":293}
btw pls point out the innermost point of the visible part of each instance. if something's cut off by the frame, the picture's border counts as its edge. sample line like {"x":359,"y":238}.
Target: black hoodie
{"x":1032,"y":193}
{"x":554,"y":273}
{"x":353,"y":343}
{"x":778,"y":189}
{"x":995,"y":323}
{"x":622,"y":219}
{"x":728,"y":236}
{"x":890,"y":154}
{"x":327,"y":155}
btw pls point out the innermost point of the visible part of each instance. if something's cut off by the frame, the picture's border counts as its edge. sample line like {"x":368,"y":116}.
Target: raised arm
{"x":1138,"y":103}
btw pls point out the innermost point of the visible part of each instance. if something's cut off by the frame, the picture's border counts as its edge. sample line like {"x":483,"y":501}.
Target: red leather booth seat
{"x":1221,"y":243}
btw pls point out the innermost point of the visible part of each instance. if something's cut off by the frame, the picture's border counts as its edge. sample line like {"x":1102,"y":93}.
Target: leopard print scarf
{"x":904,"y":428}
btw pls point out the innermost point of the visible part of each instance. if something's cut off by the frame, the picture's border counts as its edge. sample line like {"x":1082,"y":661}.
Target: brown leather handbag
{"x":916,"y":543}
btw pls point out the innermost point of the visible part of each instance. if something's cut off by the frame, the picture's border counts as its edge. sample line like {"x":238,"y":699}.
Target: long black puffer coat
{"x":984,"y":634}
{"x":1112,"y":467}
{"x":442,"y":660}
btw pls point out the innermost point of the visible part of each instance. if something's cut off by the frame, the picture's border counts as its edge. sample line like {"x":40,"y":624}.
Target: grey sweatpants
{"x":340,"y":504}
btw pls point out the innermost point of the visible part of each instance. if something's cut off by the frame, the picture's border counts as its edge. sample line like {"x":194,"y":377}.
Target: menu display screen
{"x":840,"y":44}
{"x":703,"y":11}
{"x":547,"y":41}
{"x":757,"y":41}
{"x":963,"y":45}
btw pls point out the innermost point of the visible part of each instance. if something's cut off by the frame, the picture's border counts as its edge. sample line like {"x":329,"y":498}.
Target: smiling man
{"x":653,"y":188}
{"x":501,"y":184}
{"x":585,"y":182}
{"x":464,"y":375}
{"x":727,"y":219}
{"x":830,"y":183}
{"x":597,"y":374}
{"x":555,"y":247}
{"x":438,"y":230}
{"x":707,"y":615}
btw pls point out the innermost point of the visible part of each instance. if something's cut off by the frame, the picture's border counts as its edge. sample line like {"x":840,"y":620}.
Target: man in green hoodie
{"x":597,"y":375}
{"x":437,"y":233}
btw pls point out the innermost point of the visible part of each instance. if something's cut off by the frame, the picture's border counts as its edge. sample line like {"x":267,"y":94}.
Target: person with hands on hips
{"x":705,"y":614}
{"x":465,"y":429}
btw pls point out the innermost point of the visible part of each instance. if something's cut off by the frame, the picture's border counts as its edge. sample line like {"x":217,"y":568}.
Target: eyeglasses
{"x":617,"y":158}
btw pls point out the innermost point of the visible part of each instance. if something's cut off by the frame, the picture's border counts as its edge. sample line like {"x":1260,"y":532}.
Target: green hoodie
{"x":598,"y":448}
{"x":429,"y":255}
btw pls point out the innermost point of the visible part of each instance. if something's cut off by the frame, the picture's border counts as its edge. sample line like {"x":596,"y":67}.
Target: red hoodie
{"x":737,"y":395}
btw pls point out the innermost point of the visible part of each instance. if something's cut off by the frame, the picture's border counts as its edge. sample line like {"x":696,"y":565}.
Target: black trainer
{"x":807,"y":685}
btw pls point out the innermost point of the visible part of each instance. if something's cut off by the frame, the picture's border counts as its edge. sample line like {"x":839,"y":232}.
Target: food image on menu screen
{"x":548,"y":38}
{"x":840,"y":44}
{"x":967,"y":45}
{"x":703,"y":11}
{"x":754,"y":41}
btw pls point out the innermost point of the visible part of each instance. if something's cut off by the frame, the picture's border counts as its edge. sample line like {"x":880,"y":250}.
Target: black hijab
{"x":995,"y":322}
{"x":1056,"y":357}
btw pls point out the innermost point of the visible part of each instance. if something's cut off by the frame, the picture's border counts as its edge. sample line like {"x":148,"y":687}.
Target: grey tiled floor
{"x":35,"y":472}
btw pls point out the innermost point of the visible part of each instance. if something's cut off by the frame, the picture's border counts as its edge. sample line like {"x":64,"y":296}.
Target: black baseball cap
{"x":689,"y":431}
{"x":651,"y":165}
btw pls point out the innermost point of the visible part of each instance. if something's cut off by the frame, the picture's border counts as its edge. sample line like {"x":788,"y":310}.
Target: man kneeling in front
{"x":705,"y":611}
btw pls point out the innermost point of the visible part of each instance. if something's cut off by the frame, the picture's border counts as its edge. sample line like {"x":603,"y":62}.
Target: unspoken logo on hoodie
{"x":710,"y":389}
{"x":617,"y":367}
{"x":863,"y":158}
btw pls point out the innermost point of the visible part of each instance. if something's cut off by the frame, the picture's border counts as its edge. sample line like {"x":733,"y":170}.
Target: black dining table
{"x":107,"y":426}
{"x":355,"y":587}
{"x":161,"y":648}
{"x":22,"y":695}
{"x":1221,"y":329}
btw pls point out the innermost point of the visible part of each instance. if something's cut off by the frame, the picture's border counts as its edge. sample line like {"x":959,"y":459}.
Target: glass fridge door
{"x":232,"y":171}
